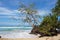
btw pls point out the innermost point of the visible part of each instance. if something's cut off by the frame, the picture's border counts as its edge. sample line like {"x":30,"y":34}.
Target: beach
{"x":24,"y":35}
{"x":17,"y":34}
{"x":42,"y":38}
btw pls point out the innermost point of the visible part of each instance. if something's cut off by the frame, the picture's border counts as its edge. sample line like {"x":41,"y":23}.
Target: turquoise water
{"x":21,"y":32}
{"x":10,"y":29}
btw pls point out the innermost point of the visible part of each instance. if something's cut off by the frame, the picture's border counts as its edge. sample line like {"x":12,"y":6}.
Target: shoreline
{"x":24,"y":35}
{"x":42,"y":38}
{"x":17,"y":34}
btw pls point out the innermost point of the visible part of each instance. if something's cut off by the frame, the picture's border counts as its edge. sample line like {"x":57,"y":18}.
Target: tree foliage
{"x":30,"y":12}
{"x":56,"y":9}
{"x":49,"y":25}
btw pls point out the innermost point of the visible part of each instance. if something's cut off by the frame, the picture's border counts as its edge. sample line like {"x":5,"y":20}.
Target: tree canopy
{"x":30,"y":12}
{"x":56,"y":9}
{"x":50,"y":23}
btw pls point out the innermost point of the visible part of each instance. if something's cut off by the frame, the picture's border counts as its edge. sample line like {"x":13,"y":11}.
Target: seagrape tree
{"x":56,"y":10}
{"x":31,"y":15}
{"x":50,"y":23}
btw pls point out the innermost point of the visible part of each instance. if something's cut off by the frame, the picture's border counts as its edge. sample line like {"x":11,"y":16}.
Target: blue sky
{"x":9,"y":10}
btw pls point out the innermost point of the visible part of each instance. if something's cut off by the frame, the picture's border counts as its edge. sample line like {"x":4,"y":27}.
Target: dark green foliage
{"x":49,"y":25}
{"x":56,"y":9}
{"x":58,"y":24}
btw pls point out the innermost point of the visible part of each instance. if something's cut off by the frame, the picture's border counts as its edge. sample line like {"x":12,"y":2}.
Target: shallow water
{"x":17,"y":34}
{"x":22,"y":32}
{"x":14,"y":28}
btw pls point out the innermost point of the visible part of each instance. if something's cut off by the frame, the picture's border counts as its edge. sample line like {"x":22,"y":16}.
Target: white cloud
{"x":12,"y":13}
{"x":16,"y":11}
{"x":6,"y":11}
{"x":13,"y":23}
{"x":18,"y":17}
{"x":43,"y":12}
{"x":7,"y":23}
{"x":9,"y":13}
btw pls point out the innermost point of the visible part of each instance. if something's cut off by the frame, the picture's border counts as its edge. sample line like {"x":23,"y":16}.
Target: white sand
{"x":42,"y":38}
{"x":24,"y":35}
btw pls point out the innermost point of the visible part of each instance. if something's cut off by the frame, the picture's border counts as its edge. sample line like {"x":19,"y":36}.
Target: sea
{"x":16,"y":32}
{"x":14,"y":28}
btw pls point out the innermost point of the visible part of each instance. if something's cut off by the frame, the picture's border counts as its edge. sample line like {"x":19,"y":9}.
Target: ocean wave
{"x":17,"y":34}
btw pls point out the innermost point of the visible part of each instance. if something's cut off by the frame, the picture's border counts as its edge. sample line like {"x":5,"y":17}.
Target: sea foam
{"x":17,"y":34}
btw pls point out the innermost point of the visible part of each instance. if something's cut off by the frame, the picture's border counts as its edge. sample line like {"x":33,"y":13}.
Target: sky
{"x":10,"y":16}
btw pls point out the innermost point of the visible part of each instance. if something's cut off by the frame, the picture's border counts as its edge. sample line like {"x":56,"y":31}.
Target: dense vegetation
{"x":56,"y":9}
{"x":47,"y":27}
{"x":50,"y":23}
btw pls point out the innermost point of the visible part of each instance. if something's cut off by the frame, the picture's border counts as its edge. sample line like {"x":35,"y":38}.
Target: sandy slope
{"x":43,"y":38}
